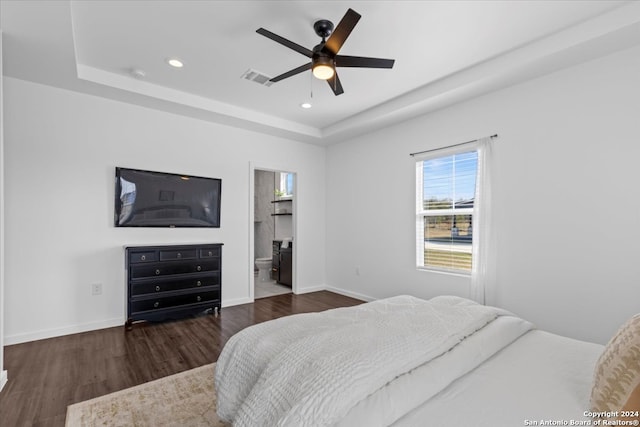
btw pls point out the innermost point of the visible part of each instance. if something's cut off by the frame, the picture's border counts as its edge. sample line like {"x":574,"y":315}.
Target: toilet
{"x":264,"y":269}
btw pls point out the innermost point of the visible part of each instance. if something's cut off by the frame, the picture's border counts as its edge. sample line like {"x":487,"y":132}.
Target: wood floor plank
{"x":46,"y":376}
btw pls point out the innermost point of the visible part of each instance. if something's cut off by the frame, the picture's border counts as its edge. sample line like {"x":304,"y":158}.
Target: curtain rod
{"x":450,"y":146}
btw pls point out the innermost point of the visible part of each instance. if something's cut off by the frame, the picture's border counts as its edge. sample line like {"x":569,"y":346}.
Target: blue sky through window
{"x":450,"y":178}
{"x":290,"y":183}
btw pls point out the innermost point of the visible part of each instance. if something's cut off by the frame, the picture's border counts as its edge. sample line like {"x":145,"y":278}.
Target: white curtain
{"x":483,"y":246}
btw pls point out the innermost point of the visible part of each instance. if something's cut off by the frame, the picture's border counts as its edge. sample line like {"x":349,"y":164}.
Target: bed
{"x":404,"y":361}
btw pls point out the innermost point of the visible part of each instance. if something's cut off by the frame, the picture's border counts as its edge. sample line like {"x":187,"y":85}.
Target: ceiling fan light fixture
{"x":323,"y":72}
{"x":323,"y":68}
{"x":324,"y":56}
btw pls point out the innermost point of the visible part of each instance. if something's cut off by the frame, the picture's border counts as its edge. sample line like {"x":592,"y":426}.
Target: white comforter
{"x":322,"y":368}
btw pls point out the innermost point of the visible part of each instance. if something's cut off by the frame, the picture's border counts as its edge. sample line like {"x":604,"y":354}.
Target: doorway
{"x":272,"y":231}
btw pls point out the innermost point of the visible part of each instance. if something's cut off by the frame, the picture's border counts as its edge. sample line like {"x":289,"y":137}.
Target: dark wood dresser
{"x":169,"y":282}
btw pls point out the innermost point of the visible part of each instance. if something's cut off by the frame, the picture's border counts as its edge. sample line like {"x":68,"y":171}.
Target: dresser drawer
{"x":169,"y":255}
{"x":169,"y":268}
{"x":160,"y":285}
{"x":211,"y":252}
{"x":178,"y":300}
{"x":147,"y":256}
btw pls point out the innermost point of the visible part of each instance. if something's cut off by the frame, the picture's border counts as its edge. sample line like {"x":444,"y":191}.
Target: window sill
{"x":457,"y":273}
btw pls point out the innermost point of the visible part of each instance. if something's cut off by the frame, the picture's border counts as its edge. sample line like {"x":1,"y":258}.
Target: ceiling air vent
{"x":257,"y":76}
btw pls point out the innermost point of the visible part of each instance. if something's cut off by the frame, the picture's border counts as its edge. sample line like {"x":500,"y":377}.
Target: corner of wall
{"x":3,"y":373}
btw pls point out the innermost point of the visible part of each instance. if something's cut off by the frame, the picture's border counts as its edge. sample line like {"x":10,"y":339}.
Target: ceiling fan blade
{"x":288,"y":43}
{"x":361,"y":61}
{"x":290,"y":73}
{"x":336,"y":86}
{"x":341,"y":32}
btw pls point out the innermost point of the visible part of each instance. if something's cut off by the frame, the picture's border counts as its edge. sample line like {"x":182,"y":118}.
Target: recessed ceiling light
{"x":305,"y":105}
{"x":174,"y":62}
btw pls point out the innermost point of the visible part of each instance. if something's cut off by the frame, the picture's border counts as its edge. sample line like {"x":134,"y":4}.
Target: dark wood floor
{"x":46,"y":376}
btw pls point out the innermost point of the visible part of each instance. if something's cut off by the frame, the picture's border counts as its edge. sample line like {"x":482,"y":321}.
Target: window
{"x":445,"y":194}
{"x":286,"y":183}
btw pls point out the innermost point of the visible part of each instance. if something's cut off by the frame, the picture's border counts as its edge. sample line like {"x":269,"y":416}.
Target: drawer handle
{"x":156,"y":304}
{"x":199,"y":298}
{"x":199,"y":268}
{"x":157,"y":271}
{"x":210,"y":253}
{"x":179,"y":255}
{"x":198,"y":283}
{"x":157,"y":288}
{"x":143,"y":257}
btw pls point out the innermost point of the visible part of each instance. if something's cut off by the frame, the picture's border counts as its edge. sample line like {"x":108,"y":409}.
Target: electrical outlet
{"x":96,"y":289}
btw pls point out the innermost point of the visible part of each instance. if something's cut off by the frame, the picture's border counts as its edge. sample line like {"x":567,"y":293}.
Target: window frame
{"x":286,"y":183}
{"x":422,"y":213}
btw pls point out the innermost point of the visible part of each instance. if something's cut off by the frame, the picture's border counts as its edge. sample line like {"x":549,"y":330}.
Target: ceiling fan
{"x":324,"y":56}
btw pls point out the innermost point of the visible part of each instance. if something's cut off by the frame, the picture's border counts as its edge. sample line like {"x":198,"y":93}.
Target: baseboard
{"x":51,"y":333}
{"x":237,"y":301}
{"x":310,"y":289}
{"x":58,"y":332}
{"x":110,"y":323}
{"x":336,"y":291}
{"x":3,"y":379}
{"x":355,"y":295}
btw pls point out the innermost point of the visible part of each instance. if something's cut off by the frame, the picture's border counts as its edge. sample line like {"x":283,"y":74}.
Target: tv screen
{"x":158,"y":199}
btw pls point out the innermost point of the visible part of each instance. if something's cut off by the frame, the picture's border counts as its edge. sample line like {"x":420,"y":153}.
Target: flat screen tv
{"x":159,"y":199}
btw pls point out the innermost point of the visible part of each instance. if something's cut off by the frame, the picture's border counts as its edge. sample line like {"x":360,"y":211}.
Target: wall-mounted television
{"x":159,"y":199}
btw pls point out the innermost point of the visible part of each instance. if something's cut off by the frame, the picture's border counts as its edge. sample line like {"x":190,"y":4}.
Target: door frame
{"x":253,"y":166}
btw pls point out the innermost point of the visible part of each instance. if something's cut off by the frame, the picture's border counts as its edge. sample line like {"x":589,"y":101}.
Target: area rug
{"x":186,"y":399}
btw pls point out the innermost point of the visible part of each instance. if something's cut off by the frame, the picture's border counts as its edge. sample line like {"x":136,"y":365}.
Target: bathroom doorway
{"x":272,"y":233}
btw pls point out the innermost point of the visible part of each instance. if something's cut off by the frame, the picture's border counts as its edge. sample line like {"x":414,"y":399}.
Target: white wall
{"x":3,"y":373}
{"x":565,"y":257}
{"x":565,"y":197}
{"x":61,"y":149}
